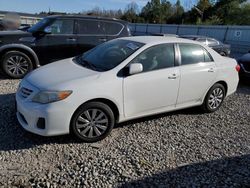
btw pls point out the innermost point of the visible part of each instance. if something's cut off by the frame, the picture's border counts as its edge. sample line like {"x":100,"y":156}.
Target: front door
{"x":157,"y":86}
{"x":62,"y":42}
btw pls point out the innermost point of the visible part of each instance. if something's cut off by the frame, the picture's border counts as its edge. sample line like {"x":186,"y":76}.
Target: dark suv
{"x":55,"y":38}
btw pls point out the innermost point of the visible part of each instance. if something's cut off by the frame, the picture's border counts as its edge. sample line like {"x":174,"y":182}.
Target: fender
{"x":24,"y":47}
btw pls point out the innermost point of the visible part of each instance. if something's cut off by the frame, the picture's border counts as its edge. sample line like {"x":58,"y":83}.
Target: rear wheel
{"x":92,"y":122}
{"x":16,"y":64}
{"x":214,"y":98}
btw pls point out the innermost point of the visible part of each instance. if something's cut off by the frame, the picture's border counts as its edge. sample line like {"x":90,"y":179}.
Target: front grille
{"x":25,"y":92}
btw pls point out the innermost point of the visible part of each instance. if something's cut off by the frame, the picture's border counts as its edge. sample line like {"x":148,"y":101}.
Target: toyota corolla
{"x":120,"y":80}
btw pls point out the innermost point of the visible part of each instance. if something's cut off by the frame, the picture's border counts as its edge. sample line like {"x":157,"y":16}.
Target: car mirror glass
{"x":135,"y":68}
{"x":47,"y":30}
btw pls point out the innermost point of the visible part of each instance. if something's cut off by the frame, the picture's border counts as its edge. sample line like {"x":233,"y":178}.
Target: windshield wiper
{"x":92,"y":66}
{"x":88,"y":64}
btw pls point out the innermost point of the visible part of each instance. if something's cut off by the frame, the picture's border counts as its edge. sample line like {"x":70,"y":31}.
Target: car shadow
{"x":3,"y":77}
{"x":187,"y":111}
{"x":225,"y":172}
{"x":244,"y":88}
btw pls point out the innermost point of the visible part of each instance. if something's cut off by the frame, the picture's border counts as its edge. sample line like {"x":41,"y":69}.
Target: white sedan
{"x":121,"y":80}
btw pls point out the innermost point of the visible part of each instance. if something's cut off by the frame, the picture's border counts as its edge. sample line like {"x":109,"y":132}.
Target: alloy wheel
{"x":215,"y":98}
{"x":92,"y":123}
{"x":17,"y":65}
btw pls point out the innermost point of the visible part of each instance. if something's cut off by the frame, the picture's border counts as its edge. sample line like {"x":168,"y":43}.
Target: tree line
{"x":210,"y":12}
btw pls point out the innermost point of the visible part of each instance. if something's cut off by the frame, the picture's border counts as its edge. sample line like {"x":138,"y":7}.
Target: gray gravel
{"x":179,"y":149}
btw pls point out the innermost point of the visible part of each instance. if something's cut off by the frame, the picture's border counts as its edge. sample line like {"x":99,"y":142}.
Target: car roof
{"x":194,"y":36}
{"x":86,"y":17}
{"x":150,"y":40}
{"x":197,"y":37}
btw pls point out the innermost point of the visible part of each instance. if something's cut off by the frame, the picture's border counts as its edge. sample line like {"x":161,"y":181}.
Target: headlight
{"x":45,"y":97}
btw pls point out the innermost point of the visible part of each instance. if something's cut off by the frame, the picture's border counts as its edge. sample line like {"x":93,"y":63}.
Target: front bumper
{"x":42,"y":119}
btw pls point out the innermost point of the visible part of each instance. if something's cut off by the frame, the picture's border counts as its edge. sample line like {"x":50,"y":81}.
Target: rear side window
{"x":91,"y":27}
{"x":113,"y":28}
{"x":193,"y":53}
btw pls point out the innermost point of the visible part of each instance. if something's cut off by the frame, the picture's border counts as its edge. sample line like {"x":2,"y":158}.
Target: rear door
{"x":90,"y":33}
{"x":198,"y":71}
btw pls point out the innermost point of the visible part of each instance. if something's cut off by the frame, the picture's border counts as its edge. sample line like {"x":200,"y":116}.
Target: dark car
{"x":218,"y":46}
{"x":2,"y":26}
{"x":244,"y":62}
{"x":55,"y":38}
{"x":24,"y":27}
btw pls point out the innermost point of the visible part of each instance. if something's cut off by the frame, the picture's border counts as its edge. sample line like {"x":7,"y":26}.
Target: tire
{"x":88,"y":117}
{"x":214,"y":98}
{"x":16,"y":64}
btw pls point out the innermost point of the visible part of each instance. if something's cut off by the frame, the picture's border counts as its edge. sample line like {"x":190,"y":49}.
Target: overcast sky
{"x":70,"y":6}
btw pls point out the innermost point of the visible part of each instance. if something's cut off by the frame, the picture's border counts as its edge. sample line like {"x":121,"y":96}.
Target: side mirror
{"x":135,"y":68}
{"x":47,"y":30}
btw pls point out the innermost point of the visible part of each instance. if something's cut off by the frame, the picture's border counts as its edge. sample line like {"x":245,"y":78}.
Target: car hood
{"x":15,"y":32}
{"x":60,"y":72}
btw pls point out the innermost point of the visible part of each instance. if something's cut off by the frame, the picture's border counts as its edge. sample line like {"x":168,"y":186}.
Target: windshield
{"x":108,"y":55}
{"x":40,"y":25}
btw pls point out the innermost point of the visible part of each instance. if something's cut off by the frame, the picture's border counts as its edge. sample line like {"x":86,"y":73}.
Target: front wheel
{"x":16,"y":64}
{"x":92,"y":122}
{"x":214,"y":98}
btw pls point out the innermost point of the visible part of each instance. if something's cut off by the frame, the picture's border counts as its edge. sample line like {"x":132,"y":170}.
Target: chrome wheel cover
{"x":92,"y":123}
{"x":17,"y":65}
{"x":215,"y":98}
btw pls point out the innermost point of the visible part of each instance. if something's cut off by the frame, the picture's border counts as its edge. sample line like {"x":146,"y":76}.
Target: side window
{"x":90,"y":27}
{"x":156,"y":57}
{"x":193,"y":53}
{"x":112,"y":28}
{"x":62,"y":27}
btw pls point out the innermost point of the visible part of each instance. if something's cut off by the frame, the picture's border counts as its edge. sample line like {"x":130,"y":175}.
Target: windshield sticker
{"x":132,"y":46}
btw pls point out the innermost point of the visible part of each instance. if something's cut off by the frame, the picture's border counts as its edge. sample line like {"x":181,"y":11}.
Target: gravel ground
{"x":180,"y":149}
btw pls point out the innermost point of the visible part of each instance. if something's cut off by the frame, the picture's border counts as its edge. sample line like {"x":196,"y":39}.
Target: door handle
{"x":71,"y":40}
{"x":173,"y":77}
{"x":103,"y":40}
{"x":211,"y":70}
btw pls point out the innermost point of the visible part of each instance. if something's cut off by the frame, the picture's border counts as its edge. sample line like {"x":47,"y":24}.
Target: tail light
{"x":237,"y":68}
